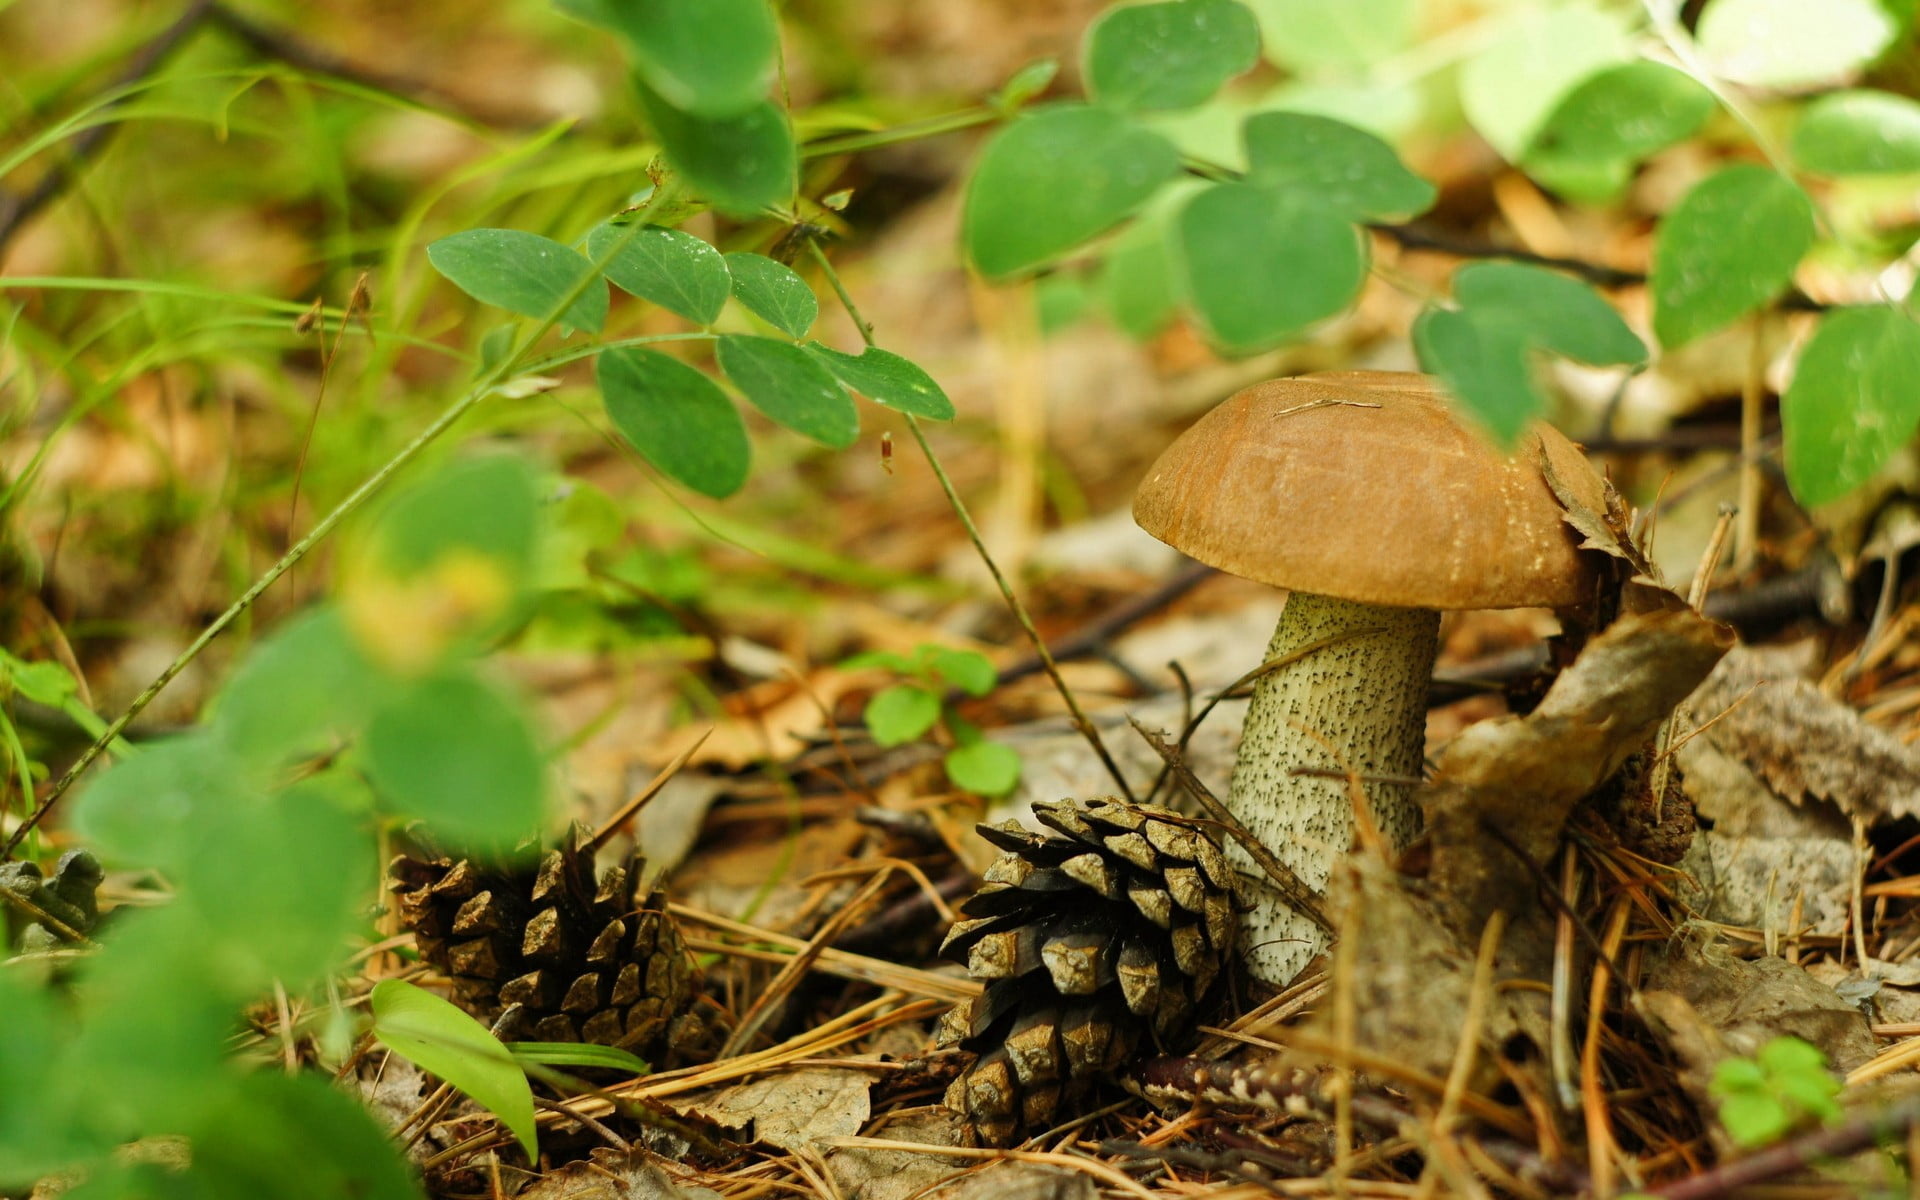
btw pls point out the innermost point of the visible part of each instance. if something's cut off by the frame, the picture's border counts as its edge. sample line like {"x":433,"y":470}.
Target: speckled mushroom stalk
{"x":1351,"y":698}
{"x":1360,"y":493}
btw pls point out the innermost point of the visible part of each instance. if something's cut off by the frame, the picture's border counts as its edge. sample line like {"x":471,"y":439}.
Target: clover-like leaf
{"x":1727,"y":248}
{"x":677,"y":418}
{"x":791,"y":386}
{"x":674,"y":269}
{"x":521,"y":272}
{"x":1055,"y":177}
{"x":1174,"y":54}
{"x":774,"y":292}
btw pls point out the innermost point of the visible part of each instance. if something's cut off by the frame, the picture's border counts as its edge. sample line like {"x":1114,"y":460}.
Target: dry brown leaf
{"x":1524,"y":775}
{"x":874,"y":1174}
{"x":1802,"y":742}
{"x":613,"y":1175}
{"x":768,"y":721}
{"x":794,"y":1110}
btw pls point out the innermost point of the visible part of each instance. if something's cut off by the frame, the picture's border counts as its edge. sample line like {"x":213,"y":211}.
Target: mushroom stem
{"x":1359,"y":684}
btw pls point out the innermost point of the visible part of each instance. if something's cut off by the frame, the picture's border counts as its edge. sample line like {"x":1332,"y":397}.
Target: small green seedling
{"x":1784,"y":1085}
{"x":904,"y":711}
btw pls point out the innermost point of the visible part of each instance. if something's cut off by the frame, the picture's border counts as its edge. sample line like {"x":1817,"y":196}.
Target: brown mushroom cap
{"x":1399,"y":504}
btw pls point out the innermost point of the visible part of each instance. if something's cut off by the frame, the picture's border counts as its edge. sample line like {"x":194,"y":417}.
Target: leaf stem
{"x":959,"y":507}
{"x":849,"y":143}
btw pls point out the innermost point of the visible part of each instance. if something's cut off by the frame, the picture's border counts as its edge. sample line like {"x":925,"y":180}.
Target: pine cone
{"x":1112,"y":926}
{"x":552,"y":956}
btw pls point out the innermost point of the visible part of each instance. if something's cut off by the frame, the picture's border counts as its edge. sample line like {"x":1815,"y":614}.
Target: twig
{"x":797,"y":967}
{"x":632,"y":807}
{"x":1291,"y":887}
{"x":1836,"y":1141}
{"x":283,"y":46}
{"x":959,"y":507}
{"x":1091,"y":636}
{"x":1420,"y":237}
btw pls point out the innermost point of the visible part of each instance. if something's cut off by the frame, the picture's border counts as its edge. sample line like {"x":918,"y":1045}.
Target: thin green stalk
{"x":426,"y":437}
{"x":959,"y":507}
{"x":849,"y":143}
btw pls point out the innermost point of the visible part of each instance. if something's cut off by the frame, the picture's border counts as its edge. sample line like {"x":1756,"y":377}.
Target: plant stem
{"x":663,"y":193}
{"x":849,"y":143}
{"x":959,"y":507}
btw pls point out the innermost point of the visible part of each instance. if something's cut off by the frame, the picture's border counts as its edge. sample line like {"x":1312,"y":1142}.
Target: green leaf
{"x":677,"y":418}
{"x":1737,"y":1075}
{"x":487,"y":505}
{"x":1852,"y":402}
{"x":984,"y":768}
{"x":278,"y":886}
{"x":1023,"y":85}
{"x":1727,"y":248}
{"x":877,"y":660}
{"x":1791,"y":44}
{"x":578,"y":1054}
{"x":901,"y":713}
{"x":793,"y":387}
{"x":38,"y":1134}
{"x":1621,"y":114}
{"x":1859,"y":133}
{"x":44,"y":682}
{"x":1174,"y":54}
{"x":1484,"y":364}
{"x":742,"y":163}
{"x":302,"y":692}
{"x":675,"y":270}
{"x":714,"y":58}
{"x":1315,"y":36}
{"x":523,"y":273}
{"x":437,"y":1037}
{"x":1754,"y":1119}
{"x":455,"y":753}
{"x":886,"y":378}
{"x":293,"y":1138}
{"x":153,"y":808}
{"x":1055,"y":177}
{"x":1512,"y":87}
{"x":1259,"y":265}
{"x":1553,"y":311}
{"x":774,"y":292}
{"x":445,"y":567}
{"x":155,"y":1017}
{"x":1343,"y":168}
{"x":967,"y":670}
{"x":1136,"y":283}
{"x":1784,"y":1055}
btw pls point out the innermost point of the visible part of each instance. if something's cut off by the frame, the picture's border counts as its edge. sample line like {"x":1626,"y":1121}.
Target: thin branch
{"x":282,"y":46}
{"x":1836,"y":1141}
{"x":1019,"y":610}
{"x":1291,"y":887}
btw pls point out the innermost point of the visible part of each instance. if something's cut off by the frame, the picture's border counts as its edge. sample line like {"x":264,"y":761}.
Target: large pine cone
{"x":551,"y":955}
{"x":1113,"y":925}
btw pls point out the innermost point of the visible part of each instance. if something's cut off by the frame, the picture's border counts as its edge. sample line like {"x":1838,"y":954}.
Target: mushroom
{"x":1361,"y":493}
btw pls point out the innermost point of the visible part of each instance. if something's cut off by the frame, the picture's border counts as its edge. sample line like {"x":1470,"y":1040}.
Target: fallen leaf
{"x":1802,"y":742}
{"x":795,"y":1110}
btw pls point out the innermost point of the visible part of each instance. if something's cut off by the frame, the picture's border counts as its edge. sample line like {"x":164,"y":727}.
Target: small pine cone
{"x":1113,"y":925}
{"x":552,"y":955}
